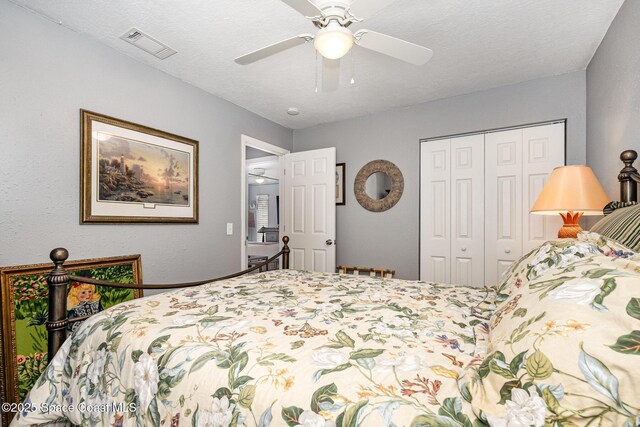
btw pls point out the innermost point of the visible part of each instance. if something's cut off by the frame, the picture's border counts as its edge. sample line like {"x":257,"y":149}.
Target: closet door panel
{"x":435,"y":211}
{"x":467,"y":210}
{"x":543,"y":150}
{"x":503,"y":202}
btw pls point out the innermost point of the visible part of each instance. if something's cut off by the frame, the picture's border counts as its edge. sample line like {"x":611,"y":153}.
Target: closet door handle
{"x":463,"y":249}
{"x":507,"y":251}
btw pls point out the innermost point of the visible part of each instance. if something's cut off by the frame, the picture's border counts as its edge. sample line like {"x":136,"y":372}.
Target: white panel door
{"x":435,"y":211}
{"x":467,"y":210}
{"x":543,"y":150}
{"x":503,"y":202}
{"x":310,"y":209}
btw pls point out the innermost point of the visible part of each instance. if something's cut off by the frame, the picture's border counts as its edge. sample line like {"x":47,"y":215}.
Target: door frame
{"x":248,"y":141}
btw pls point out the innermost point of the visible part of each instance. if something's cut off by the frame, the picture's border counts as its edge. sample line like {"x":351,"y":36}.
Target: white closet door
{"x":435,"y":210}
{"x":467,"y":210}
{"x":543,"y":150}
{"x":503,"y":198}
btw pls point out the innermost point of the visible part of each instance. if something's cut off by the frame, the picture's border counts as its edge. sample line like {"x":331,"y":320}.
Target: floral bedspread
{"x":284,"y":348}
{"x":556,"y":345}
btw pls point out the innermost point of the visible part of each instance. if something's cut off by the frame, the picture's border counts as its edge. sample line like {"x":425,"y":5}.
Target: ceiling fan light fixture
{"x":257,"y":173}
{"x":333,"y":41}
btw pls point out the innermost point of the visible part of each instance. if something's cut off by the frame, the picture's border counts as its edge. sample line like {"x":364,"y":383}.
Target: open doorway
{"x":261,"y":200}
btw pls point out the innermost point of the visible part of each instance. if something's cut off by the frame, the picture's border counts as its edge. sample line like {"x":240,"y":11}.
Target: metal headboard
{"x":629,"y":177}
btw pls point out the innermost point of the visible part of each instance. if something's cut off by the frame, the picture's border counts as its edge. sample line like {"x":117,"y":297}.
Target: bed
{"x":555,"y":343}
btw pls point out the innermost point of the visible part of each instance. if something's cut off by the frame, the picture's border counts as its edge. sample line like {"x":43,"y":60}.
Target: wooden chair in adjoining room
{"x":373,"y":272}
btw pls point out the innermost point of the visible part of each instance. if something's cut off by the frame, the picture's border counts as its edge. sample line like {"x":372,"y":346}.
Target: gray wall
{"x":613,"y":97}
{"x":47,"y":73}
{"x":390,"y":239}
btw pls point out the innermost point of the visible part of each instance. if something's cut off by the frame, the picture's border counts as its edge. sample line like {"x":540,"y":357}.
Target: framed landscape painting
{"x":133,"y":173}
{"x":24,"y":294}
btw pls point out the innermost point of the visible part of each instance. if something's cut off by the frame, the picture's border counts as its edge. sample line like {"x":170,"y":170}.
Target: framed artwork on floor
{"x":133,"y":173}
{"x":24,"y":295}
{"x":340,"y":180}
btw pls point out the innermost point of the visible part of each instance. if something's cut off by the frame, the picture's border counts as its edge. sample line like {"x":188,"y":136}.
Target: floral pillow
{"x":608,"y":246}
{"x":551,"y":255}
{"x":565,"y":346}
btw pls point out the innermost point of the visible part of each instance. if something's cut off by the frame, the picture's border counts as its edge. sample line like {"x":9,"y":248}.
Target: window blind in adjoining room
{"x":262,"y":214}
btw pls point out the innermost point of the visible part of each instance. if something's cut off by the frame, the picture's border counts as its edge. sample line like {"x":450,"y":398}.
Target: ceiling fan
{"x":259,"y":175}
{"x":334,"y":39}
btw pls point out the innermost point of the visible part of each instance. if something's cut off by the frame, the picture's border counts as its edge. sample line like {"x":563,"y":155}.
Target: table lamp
{"x":571,"y":191}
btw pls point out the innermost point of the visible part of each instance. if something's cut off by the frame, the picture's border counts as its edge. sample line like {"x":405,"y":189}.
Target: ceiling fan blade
{"x":330,"y":74}
{"x":262,"y":176}
{"x":272,"y":49}
{"x":304,"y":7}
{"x":391,"y":46}
{"x":364,"y":9}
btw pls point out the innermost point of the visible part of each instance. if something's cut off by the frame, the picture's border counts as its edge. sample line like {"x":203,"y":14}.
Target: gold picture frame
{"x":340,"y":184}
{"x":133,"y":173}
{"x":24,"y":295}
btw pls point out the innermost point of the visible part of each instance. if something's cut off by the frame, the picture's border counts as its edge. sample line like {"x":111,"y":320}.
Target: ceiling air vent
{"x":147,"y":43}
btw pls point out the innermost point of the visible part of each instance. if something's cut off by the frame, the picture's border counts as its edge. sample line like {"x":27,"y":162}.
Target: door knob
{"x":328,"y":242}
{"x":507,"y":251}
{"x":463,"y":249}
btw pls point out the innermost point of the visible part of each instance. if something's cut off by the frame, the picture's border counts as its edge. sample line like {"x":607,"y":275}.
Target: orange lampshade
{"x":571,"y":188}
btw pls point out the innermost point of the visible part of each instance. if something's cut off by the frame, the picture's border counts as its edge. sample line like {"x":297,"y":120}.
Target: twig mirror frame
{"x":397,"y":185}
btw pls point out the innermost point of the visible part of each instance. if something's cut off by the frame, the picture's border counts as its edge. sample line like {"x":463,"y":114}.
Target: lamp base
{"x":571,"y":226}
{"x":569,"y":231}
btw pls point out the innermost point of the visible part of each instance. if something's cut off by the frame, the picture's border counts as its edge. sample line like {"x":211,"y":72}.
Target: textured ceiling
{"x":477,"y":44}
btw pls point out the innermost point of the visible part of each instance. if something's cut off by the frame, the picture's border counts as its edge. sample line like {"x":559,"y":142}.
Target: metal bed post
{"x":285,"y":253}
{"x":629,"y":177}
{"x":57,"y":279}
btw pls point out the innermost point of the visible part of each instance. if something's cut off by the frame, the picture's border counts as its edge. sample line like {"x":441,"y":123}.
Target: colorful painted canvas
{"x":24,"y":312}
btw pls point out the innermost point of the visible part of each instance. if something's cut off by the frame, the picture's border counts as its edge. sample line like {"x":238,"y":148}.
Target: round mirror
{"x":379,"y":185}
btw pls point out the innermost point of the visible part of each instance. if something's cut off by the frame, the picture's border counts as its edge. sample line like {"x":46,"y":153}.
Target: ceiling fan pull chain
{"x":353,"y":74}
{"x":316,"y":69}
